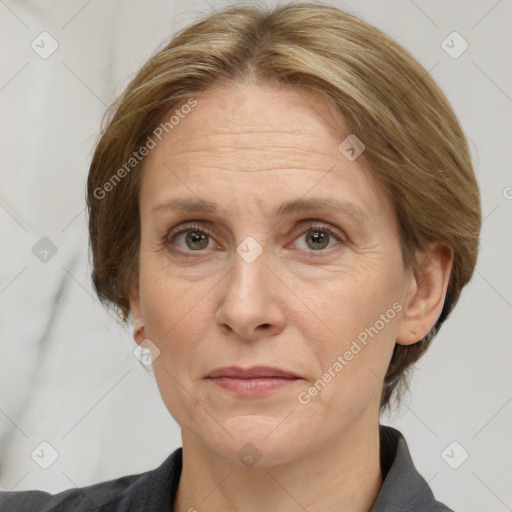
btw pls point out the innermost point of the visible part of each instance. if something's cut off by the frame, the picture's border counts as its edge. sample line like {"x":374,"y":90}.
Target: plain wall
{"x":68,"y":375}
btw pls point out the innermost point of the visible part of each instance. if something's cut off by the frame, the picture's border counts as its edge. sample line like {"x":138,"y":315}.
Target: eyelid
{"x":310,"y":224}
{"x":304,"y":226}
{"x":190,"y":225}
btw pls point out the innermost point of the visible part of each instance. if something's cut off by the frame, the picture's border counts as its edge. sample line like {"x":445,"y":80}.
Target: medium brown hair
{"x":414,"y":144}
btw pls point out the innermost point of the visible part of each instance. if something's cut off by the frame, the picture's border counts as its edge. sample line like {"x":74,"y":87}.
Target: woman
{"x":284,"y":205}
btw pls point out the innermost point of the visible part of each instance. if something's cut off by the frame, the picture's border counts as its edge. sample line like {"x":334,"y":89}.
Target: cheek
{"x":176,"y":323}
{"x":345,"y":306}
{"x":173,"y":310}
{"x":352,"y":371}
{"x":352,"y":332}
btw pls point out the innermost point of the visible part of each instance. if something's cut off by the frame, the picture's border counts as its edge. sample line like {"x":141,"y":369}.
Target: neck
{"x":344,"y":474}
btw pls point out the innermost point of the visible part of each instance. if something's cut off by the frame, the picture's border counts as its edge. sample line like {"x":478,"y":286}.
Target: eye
{"x":197,"y":237}
{"x":318,"y":237}
{"x":194,"y":237}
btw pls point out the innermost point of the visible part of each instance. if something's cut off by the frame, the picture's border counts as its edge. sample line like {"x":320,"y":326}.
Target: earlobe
{"x":138,"y":319}
{"x":424,"y":302}
{"x":139,"y":332}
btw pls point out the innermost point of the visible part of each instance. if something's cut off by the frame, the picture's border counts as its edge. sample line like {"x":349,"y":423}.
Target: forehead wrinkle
{"x":268,"y":152}
{"x":280,"y":131}
{"x":253,"y":159}
{"x":295,"y":165}
{"x":257,"y":145}
{"x":272,"y":169}
{"x":276,"y":139}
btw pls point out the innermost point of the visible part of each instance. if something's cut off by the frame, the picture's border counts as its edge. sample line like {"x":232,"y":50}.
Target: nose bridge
{"x":249,"y":271}
{"x":248,"y":300}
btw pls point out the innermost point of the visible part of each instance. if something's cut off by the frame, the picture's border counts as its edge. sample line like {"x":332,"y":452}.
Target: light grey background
{"x":68,"y":375}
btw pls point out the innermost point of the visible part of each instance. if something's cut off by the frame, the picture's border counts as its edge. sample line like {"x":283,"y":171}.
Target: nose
{"x":252,"y":304}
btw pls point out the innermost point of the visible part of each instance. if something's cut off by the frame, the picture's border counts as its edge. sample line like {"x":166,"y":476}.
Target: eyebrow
{"x":295,"y":206}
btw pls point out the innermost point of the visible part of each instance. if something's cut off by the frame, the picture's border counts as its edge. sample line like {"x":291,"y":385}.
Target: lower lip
{"x":257,"y":386}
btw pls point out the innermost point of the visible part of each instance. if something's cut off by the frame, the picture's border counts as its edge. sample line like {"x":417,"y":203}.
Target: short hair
{"x":415,"y":146}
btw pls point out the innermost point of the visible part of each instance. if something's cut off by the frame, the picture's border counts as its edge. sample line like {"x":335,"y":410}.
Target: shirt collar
{"x":403,"y":488}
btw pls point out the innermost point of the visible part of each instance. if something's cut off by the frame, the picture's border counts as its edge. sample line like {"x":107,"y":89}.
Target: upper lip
{"x":252,"y":372}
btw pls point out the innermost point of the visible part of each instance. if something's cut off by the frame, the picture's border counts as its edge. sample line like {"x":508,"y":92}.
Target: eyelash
{"x":171,"y":236}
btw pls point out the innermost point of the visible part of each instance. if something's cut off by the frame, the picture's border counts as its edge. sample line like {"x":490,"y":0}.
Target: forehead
{"x":252,"y":137}
{"x":241,"y":106}
{"x":258,"y":121}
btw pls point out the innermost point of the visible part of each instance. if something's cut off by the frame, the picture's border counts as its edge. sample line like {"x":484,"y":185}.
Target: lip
{"x":252,"y":372}
{"x":254,"y":381}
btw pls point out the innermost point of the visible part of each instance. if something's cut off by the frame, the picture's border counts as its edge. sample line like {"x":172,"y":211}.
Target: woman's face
{"x":266,"y":271}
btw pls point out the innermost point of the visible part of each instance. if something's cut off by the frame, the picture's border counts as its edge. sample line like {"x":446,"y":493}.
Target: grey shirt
{"x":403,"y":488}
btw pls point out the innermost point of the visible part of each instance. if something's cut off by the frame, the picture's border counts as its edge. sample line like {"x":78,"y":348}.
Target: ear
{"x":424,"y":302}
{"x":139,"y":330}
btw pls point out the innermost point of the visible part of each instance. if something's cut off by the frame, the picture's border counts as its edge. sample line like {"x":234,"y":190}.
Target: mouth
{"x":254,"y":381}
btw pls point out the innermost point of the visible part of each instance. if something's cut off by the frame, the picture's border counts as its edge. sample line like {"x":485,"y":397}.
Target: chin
{"x":258,"y":441}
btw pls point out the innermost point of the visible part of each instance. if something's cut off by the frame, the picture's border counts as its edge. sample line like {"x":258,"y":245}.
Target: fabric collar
{"x":403,"y":488}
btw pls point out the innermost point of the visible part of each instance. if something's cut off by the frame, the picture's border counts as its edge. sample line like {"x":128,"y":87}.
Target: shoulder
{"x":403,"y":487}
{"x":148,"y":491}
{"x":78,"y":499}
